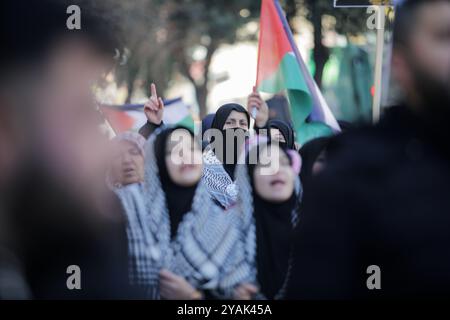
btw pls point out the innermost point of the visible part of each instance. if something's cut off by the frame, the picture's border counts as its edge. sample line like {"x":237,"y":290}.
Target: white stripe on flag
{"x":175,"y":112}
{"x":329,"y":118}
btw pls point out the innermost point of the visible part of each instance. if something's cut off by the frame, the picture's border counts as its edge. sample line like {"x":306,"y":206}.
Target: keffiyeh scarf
{"x":217,"y":181}
{"x":143,"y":252}
{"x":206,"y":249}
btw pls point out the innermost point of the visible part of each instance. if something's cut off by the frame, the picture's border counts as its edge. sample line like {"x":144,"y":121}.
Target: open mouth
{"x":186,"y":167}
{"x":128,"y":171}
{"x":277,"y":183}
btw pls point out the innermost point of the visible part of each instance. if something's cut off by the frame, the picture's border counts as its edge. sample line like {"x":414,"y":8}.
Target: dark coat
{"x":384,"y":199}
{"x":53,"y":230}
{"x":147,"y":129}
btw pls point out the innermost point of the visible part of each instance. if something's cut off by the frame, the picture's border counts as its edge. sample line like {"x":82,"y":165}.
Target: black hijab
{"x":286,"y":130}
{"x":179,"y":199}
{"x":309,"y":153}
{"x":218,"y":123}
{"x":274,"y":231}
{"x":224,"y":111}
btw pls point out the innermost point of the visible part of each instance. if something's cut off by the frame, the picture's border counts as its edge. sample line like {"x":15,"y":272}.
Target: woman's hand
{"x":255,"y":101}
{"x":154,"y":107}
{"x":174,"y":287}
{"x":245,"y":291}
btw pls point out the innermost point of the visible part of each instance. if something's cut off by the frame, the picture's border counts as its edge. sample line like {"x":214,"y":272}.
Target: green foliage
{"x":161,"y":35}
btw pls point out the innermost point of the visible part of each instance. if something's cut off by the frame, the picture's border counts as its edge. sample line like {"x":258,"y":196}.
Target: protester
{"x":375,"y":223}
{"x":12,"y":281}
{"x":154,"y":110}
{"x":314,"y":158}
{"x":231,"y":122}
{"x":58,"y":208}
{"x":206,"y":125}
{"x":268,"y":204}
{"x":282,"y":132}
{"x":225,"y":218}
{"x":178,"y":237}
{"x":128,"y":160}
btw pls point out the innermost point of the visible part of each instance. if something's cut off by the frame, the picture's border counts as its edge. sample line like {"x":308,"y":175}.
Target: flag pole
{"x":259,"y":53}
{"x":376,"y":106}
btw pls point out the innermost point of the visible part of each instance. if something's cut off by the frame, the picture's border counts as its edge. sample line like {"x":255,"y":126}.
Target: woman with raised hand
{"x":269,"y":196}
{"x":282,"y":132}
{"x":231,"y":124}
{"x":226,"y":136}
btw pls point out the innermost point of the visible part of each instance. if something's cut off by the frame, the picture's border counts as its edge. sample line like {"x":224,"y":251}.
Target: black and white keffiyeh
{"x":206,"y":249}
{"x":143,"y":252}
{"x":217,"y":181}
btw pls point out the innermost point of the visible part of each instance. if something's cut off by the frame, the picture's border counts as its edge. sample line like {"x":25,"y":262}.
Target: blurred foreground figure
{"x":62,"y":216}
{"x":314,"y":159}
{"x":383,"y":198}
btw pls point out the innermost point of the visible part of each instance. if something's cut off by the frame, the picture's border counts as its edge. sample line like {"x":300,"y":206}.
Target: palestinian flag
{"x":280,"y":68}
{"x":132,"y":117}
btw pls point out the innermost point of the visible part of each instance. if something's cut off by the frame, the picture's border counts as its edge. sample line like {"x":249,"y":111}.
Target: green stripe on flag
{"x":187,"y":122}
{"x":288,"y":77}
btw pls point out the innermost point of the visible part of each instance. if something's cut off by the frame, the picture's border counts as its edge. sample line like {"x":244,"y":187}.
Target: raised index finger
{"x":153,"y":91}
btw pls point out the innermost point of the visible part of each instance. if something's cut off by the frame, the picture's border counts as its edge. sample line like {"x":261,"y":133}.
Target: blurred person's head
{"x":282,"y":132}
{"x":314,"y":158}
{"x":179,"y":157}
{"x":47,"y":80}
{"x":421,"y":55}
{"x":127,"y":165}
{"x":207,"y":123}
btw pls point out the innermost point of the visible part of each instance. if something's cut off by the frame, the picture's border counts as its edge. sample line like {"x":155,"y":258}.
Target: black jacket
{"x":383,"y":200}
{"x":53,"y":231}
{"x":147,"y":129}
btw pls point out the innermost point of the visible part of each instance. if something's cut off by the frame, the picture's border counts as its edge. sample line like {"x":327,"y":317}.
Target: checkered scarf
{"x":206,"y":249}
{"x":217,"y":181}
{"x":143,"y":251}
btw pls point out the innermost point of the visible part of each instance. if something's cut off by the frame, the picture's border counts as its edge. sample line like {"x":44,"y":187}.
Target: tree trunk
{"x":201,"y":87}
{"x":202,"y":90}
{"x":321,"y":53}
{"x":133,"y":71}
{"x":291,"y":12}
{"x":201,"y":93}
